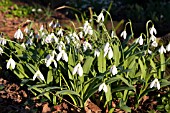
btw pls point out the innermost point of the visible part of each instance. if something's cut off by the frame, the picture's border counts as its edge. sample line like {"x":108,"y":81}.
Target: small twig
{"x":68,"y":102}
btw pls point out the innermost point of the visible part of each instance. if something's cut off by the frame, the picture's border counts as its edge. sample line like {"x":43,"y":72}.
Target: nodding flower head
{"x":78,"y":69}
{"x":103,"y":87}
{"x":155,"y":83}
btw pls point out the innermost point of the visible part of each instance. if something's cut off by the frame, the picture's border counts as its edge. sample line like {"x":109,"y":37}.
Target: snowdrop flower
{"x":23,"y":45}
{"x":18,"y":34}
{"x":67,"y":39}
{"x":1,"y":51}
{"x":53,"y":38}
{"x":100,"y":17}
{"x":11,"y":63}
{"x":62,"y":55}
{"x":51,"y":24}
{"x":140,"y":40}
{"x":26,"y":30}
{"x":33,"y":10}
{"x":155,"y":83}
{"x":39,"y":10}
{"x":124,"y":34}
{"x":78,"y":69}
{"x":50,"y":58}
{"x":106,"y":47}
{"x":87,"y":28}
{"x":110,"y":53}
{"x":108,"y":50}
{"x":153,"y":38}
{"x":153,"y":30}
{"x":113,"y":70}
{"x":2,"y":41}
{"x":149,"y":51}
{"x":60,"y":32}
{"x":81,"y":34}
{"x":103,"y":87}
{"x":39,"y":75}
{"x":154,"y":44}
{"x":29,"y":42}
{"x":96,"y":53}
{"x":162,"y":50}
{"x":168,"y":47}
{"x":86,"y":45}
{"x":61,"y":46}
{"x":41,"y":28}
{"x":76,"y":36}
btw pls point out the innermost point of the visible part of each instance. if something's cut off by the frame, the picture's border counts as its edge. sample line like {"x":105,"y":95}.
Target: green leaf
{"x":117,"y":54}
{"x":143,"y":69}
{"x":87,"y":65}
{"x":101,"y":62}
{"x":108,"y":94}
{"x":49,"y":76}
{"x":71,"y":59}
{"x":126,"y":108}
{"x":66,"y":92}
{"x":162,"y":57}
{"x":31,"y":67}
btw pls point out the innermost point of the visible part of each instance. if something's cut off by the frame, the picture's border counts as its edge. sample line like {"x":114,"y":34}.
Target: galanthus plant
{"x":78,"y":63}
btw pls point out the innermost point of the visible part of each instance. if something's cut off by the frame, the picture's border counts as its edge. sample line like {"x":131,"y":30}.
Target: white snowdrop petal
{"x":101,"y":87}
{"x":110,"y":53}
{"x":75,"y":70}
{"x":80,"y":71}
{"x":105,"y":88}
{"x":59,"y":56}
{"x":55,"y":64}
{"x":168,"y":47}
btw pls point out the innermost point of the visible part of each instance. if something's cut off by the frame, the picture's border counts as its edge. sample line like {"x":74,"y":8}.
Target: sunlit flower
{"x":41,"y":28}
{"x":154,"y":44}
{"x":113,"y":34}
{"x":100,"y":17}
{"x":39,"y":75}
{"x":87,"y":28}
{"x":18,"y":34}
{"x":81,"y":34}
{"x":2,"y":41}
{"x":140,"y":40}
{"x":33,"y":10}
{"x":61,"y":46}
{"x":124,"y":34}
{"x":11,"y":63}
{"x":67,"y":39}
{"x":39,"y":10}
{"x":26,"y":30}
{"x":168,"y":47}
{"x":153,"y":38}
{"x":23,"y":45}
{"x":86,"y":45}
{"x":76,"y":36}
{"x":50,"y":58}
{"x":103,"y":87}
{"x":153,"y":30}
{"x":96,"y":53}
{"x":1,"y":51}
{"x":29,"y":41}
{"x":78,"y":69}
{"x":60,"y":32}
{"x":106,"y":47}
{"x":149,"y":51}
{"x":62,"y":55}
{"x":155,"y":83}
{"x":110,"y":53}
{"x":162,"y":50}
{"x":113,"y":70}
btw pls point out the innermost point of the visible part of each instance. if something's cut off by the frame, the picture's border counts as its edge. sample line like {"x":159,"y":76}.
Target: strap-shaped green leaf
{"x":101,"y":62}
